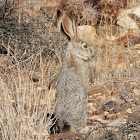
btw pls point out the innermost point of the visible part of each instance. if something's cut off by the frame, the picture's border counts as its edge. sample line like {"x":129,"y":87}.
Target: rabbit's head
{"x":76,"y":46}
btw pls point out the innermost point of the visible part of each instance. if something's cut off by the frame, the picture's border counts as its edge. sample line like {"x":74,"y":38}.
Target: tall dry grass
{"x":27,"y":65}
{"x":24,"y":104}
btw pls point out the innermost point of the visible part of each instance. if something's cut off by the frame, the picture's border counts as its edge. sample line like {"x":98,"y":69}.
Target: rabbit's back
{"x":71,"y":99}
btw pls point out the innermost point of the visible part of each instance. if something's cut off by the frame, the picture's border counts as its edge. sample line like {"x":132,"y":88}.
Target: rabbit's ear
{"x":68,"y":25}
{"x":59,"y":19}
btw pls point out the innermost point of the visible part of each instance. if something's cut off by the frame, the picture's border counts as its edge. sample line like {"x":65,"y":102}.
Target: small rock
{"x":136,"y":92}
{"x":126,"y":21}
{"x":109,"y":105}
{"x":106,"y":113}
{"x":129,"y":111}
{"x":95,"y":118}
{"x":90,"y":104}
{"x":34,"y":78}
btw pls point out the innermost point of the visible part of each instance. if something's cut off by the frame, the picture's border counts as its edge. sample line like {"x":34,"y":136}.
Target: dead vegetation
{"x":31,"y":51}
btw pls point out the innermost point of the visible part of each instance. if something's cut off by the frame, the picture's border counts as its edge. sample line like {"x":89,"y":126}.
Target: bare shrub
{"x":28,"y":58}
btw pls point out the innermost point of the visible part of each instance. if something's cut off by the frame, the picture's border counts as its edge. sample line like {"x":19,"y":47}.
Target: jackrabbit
{"x":71,"y":97}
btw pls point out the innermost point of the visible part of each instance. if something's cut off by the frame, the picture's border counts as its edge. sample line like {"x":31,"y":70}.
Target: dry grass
{"x":23,"y":115}
{"x":31,"y":52}
{"x":28,"y":63}
{"x":24,"y":103}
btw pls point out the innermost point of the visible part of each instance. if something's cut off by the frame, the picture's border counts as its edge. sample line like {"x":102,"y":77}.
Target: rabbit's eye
{"x":85,"y":45}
